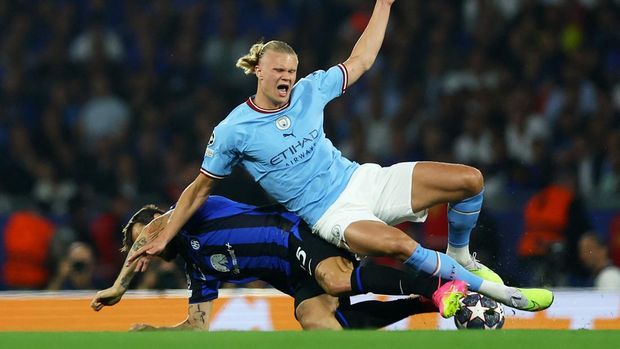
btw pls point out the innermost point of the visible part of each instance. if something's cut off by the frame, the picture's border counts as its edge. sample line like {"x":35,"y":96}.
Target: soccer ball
{"x":479,"y":312}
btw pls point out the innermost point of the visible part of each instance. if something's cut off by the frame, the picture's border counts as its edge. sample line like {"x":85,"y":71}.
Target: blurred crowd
{"x":106,"y":105}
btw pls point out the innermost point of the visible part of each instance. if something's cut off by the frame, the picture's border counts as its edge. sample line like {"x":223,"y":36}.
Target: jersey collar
{"x":250,"y":102}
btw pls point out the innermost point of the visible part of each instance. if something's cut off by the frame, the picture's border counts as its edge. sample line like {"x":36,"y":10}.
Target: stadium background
{"x":108,"y":105}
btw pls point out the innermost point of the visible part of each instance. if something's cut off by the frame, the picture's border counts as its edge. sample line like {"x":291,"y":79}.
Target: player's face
{"x":136,"y":230}
{"x":276,"y":73}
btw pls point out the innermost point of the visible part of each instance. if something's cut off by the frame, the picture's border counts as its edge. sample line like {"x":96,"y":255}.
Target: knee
{"x":472,"y":181}
{"x":399,"y":246}
{"x":312,"y":323}
{"x":333,"y":283}
{"x":313,"y":314}
{"x":317,"y":324}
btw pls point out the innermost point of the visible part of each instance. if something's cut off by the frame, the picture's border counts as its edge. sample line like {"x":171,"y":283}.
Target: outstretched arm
{"x":190,"y":200}
{"x":198,"y":318}
{"x":367,"y":47}
{"x":113,"y":295}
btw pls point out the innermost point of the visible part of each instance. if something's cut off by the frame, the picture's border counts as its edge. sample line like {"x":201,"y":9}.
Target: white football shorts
{"x":374,"y":193}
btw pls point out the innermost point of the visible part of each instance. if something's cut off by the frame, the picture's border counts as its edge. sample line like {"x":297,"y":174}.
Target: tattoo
{"x":138,"y":244}
{"x":125,"y":280}
{"x":199,"y":313}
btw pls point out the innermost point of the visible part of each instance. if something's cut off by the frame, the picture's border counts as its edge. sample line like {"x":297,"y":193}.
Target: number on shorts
{"x":301,"y":256}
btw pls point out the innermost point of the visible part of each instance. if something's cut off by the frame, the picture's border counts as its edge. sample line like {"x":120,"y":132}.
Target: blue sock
{"x":462,"y":218}
{"x":441,"y":265}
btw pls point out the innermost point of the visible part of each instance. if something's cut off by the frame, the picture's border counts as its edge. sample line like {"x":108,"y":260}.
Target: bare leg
{"x":334,"y":275}
{"x":460,"y":186}
{"x":318,"y":313}
{"x":435,"y":183}
{"x":372,"y":238}
{"x":378,"y":239}
{"x":339,"y":277}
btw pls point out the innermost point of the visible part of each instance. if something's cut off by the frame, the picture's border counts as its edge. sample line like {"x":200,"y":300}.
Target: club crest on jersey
{"x":195,"y":244}
{"x":283,"y":123}
{"x":219,"y":263}
{"x":335,"y":232}
{"x":211,"y":139}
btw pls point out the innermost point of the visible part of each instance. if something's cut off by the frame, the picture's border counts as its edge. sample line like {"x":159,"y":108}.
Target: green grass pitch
{"x":504,"y":339}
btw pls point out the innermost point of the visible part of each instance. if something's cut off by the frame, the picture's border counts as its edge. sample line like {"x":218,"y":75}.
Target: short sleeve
{"x":201,"y":290}
{"x":221,"y":154}
{"x":331,"y":83}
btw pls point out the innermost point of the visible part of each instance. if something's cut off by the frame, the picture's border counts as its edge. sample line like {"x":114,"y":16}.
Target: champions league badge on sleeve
{"x":209,"y":152}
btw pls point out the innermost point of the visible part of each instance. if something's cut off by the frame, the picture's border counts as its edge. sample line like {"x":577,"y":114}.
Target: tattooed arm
{"x":113,"y":295}
{"x":199,"y":314}
{"x":198,"y":318}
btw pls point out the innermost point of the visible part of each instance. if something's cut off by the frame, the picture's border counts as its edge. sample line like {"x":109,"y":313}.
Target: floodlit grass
{"x":503,"y":339}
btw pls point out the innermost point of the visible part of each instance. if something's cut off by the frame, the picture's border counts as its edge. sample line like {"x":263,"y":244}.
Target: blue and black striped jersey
{"x":226,"y":241}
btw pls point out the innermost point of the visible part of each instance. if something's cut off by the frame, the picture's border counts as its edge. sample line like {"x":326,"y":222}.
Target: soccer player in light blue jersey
{"x":277,"y":136}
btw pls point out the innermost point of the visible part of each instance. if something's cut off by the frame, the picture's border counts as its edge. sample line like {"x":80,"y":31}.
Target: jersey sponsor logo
{"x":195,"y":244}
{"x":209,"y":152}
{"x":283,"y":123}
{"x":298,"y":151}
{"x":233,"y":258}
{"x":219,"y":262}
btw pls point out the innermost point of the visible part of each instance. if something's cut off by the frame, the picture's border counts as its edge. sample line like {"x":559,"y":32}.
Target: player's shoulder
{"x":240,"y":114}
{"x":319,"y":76}
{"x":308,"y":83}
{"x":315,"y":75}
{"x":320,"y":73}
{"x":236,"y":121}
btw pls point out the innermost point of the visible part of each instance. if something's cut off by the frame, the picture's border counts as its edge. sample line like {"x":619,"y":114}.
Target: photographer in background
{"x":76,"y":270}
{"x":163,"y":275}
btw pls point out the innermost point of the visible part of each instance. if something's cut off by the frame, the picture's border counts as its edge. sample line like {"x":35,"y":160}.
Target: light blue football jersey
{"x":285,"y":149}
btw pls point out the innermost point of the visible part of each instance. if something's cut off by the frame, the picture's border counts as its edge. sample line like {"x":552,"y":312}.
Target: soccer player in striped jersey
{"x":277,"y":136}
{"x":226,"y":241}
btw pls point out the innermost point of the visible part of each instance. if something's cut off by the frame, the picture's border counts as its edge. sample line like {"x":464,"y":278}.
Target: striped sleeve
{"x":331,"y":83}
{"x":345,"y":77}
{"x":209,"y":174}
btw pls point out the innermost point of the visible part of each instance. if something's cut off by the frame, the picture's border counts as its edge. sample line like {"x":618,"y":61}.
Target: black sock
{"x":377,"y":314}
{"x":380,"y":279}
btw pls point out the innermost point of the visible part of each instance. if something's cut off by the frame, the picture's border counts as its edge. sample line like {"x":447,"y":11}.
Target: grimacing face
{"x":276,"y":73}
